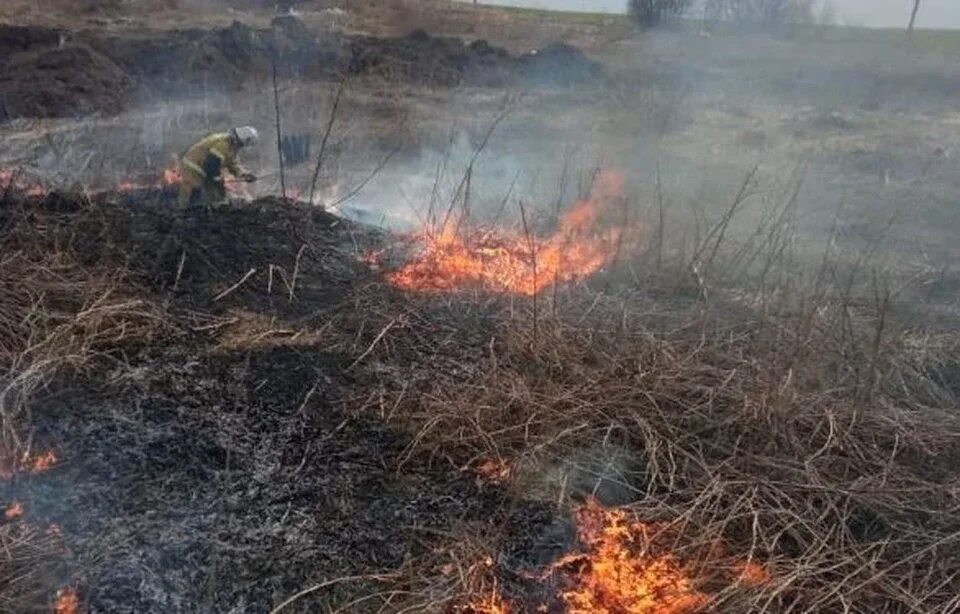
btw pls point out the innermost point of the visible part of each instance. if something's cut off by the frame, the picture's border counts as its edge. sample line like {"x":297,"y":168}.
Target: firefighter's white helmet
{"x":245,"y":135}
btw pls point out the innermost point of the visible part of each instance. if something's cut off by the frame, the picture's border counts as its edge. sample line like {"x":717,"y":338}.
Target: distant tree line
{"x":649,"y":13}
{"x":769,"y":13}
{"x":766,"y":14}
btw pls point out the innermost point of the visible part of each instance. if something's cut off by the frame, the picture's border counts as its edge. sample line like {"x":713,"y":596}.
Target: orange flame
{"x":67,"y":602}
{"x":621,"y":569}
{"x":42,"y":462}
{"x":13,"y":511}
{"x":492,"y":471}
{"x":169,"y":177}
{"x":14,"y":180}
{"x":27,"y":463}
{"x":514,"y":263}
{"x":626,"y":566}
{"x":753,"y":574}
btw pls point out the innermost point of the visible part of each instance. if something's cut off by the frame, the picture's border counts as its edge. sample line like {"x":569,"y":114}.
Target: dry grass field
{"x":556,"y":316}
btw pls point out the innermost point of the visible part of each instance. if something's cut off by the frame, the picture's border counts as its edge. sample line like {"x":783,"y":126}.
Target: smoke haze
{"x":870,"y":13}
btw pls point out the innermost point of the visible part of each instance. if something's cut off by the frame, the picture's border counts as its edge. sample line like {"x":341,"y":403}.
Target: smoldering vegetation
{"x":750,"y":404}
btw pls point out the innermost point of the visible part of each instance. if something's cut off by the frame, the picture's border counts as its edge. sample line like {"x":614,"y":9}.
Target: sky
{"x":873,"y":13}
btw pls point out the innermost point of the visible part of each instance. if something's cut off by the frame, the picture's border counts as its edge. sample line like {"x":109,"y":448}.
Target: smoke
{"x":838,"y":117}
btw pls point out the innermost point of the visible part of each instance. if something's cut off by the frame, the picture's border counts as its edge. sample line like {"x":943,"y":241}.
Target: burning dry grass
{"x":30,"y":563}
{"x":583,"y":242}
{"x":791,"y":458}
{"x":695,"y":454}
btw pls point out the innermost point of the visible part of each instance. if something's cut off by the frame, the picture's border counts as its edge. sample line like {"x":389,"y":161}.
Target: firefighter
{"x":203,"y":166}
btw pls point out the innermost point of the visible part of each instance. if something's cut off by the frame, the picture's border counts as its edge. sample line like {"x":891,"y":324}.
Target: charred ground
{"x":221,"y":456}
{"x":248,"y":417}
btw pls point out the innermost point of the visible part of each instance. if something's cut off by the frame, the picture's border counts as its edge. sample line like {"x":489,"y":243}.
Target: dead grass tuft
{"x":57,"y":317}
{"x":802,"y":429}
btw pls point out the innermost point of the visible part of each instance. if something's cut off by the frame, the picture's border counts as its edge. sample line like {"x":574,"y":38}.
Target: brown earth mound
{"x":446,"y":61}
{"x":73,"y":80}
{"x":47,"y":72}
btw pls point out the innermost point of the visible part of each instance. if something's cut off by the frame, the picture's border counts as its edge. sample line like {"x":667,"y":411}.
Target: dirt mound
{"x":445,"y":61}
{"x":427,"y":60}
{"x":50,"y":73}
{"x":202,"y":253}
{"x":72,"y":80}
{"x":226,"y":57}
{"x":17,"y":39}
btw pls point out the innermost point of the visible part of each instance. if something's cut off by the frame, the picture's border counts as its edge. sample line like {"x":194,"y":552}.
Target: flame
{"x":41,"y":463}
{"x":372,"y":258}
{"x":625,"y":566}
{"x":512,"y":262}
{"x":14,"y":180}
{"x":169,"y":177}
{"x":67,"y":602}
{"x":492,"y":471}
{"x":621,"y":569}
{"x":753,"y":574}
{"x":13,"y":511}
{"x":26,"y":464}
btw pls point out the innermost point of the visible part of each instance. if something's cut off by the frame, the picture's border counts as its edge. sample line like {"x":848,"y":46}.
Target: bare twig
{"x":374,"y":343}
{"x":276,"y":107}
{"x":230,"y":290}
{"x":329,"y":583}
{"x":326,"y":136}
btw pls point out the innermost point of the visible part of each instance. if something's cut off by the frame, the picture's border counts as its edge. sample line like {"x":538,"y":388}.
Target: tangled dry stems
{"x":55,"y":315}
{"x":805,"y":439}
{"x":812,"y":435}
{"x":30,"y":564}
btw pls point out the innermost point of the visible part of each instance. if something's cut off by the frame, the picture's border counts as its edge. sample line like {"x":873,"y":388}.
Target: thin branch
{"x":229,"y":290}
{"x":276,"y":107}
{"x":326,"y":137}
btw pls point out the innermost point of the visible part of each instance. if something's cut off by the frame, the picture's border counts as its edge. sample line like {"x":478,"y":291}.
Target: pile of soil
{"x":445,"y":61}
{"x":69,"y":80}
{"x":46,"y":72}
{"x":428,"y":60}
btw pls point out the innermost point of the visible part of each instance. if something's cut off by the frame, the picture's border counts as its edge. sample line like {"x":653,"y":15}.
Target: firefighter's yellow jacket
{"x":219,"y":145}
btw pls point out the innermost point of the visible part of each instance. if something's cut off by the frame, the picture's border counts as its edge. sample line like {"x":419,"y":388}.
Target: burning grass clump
{"x":31,"y":565}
